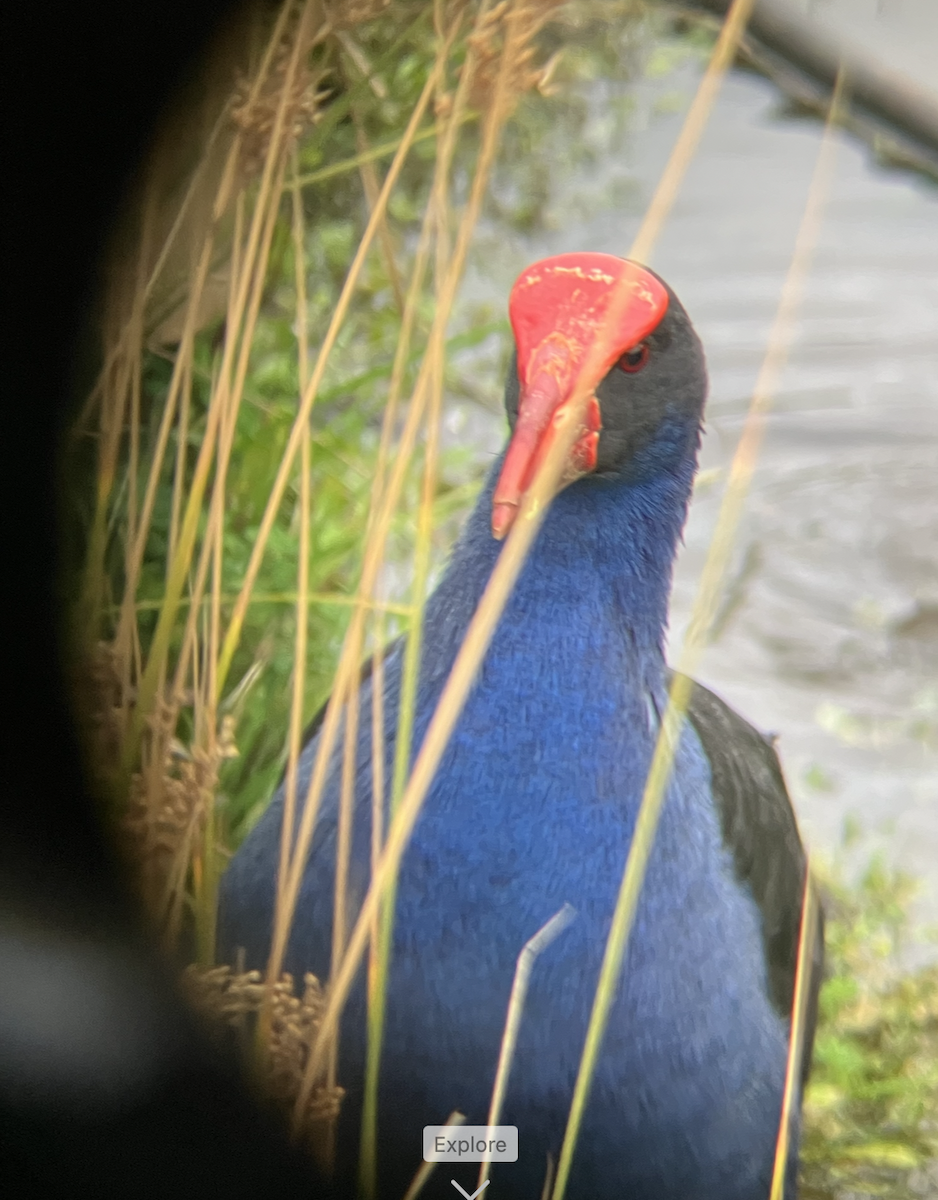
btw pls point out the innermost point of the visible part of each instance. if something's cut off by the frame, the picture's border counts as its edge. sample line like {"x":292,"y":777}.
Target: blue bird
{"x":534,"y":805}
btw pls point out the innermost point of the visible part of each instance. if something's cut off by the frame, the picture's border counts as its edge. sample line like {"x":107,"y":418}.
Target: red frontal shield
{"x":560,"y":308}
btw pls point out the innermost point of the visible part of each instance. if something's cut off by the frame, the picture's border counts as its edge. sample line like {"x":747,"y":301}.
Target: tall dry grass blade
{"x":350,"y":654}
{"x":377,"y":783}
{"x":426,"y":1169}
{"x":205,"y":859}
{"x":437,"y":218}
{"x":362,"y":600}
{"x":179,"y":466}
{"x":378,"y":499}
{"x":182,"y":369}
{"x":224,"y":404}
{"x":254,"y":275}
{"x":548,"y":1178}
{"x":302,"y":625}
{"x":306,"y":403}
{"x":378,"y":963}
{"x":205,"y":705}
{"x":302,"y":592}
{"x":299,"y":253}
{"x":372,"y":190}
{"x":799,"y":1014}
{"x":398,"y":369}
{"x":478,"y":636}
{"x":175,"y":891}
{"x":347,"y":664}
{"x":706,"y":606}
{"x":337,"y":599}
{"x":346,"y":801}
{"x":374,"y":154}
{"x":533,"y":948}
{"x":347,"y":795}
{"x":273,"y":168}
{"x":410,"y":673}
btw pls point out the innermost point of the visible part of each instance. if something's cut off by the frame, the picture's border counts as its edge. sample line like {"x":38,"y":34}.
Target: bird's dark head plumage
{"x":643,"y":414}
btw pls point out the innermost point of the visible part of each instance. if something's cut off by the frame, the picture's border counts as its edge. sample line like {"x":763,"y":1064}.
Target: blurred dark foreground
{"x":107,"y":1085}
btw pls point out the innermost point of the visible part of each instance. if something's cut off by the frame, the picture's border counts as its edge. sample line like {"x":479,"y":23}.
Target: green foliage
{"x":871,"y":1107}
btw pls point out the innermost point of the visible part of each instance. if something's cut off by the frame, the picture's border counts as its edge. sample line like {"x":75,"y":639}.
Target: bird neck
{"x":601,"y":562}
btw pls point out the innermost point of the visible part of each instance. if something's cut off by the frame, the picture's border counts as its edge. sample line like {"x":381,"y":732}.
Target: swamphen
{"x":534,"y":805}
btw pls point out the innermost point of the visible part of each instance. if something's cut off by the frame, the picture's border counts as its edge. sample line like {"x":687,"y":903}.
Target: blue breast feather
{"x":533,"y":806}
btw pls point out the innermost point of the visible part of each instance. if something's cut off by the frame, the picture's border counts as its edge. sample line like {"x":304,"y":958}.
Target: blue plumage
{"x":533,"y":806}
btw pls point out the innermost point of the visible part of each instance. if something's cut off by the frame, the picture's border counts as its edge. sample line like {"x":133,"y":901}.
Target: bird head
{"x":624,"y":321}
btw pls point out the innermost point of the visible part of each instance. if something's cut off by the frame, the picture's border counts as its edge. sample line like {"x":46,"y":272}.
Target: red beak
{"x":559,"y":308}
{"x":541,"y":405}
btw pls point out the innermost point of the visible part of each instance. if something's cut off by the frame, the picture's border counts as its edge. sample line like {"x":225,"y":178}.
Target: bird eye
{"x":634,"y":359}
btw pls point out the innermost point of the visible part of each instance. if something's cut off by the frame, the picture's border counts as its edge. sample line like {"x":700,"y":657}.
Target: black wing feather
{"x":759,"y":828}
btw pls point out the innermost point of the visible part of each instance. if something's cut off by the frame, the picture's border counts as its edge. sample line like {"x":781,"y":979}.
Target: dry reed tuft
{"x":253,"y":111}
{"x":347,"y":14}
{"x":522,"y":23}
{"x":233,"y":999}
{"x":169,"y":805}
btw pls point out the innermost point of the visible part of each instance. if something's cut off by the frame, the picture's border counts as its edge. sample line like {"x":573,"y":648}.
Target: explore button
{"x":470,"y":1143}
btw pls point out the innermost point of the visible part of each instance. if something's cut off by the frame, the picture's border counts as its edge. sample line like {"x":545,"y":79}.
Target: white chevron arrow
{"x":463,"y":1192}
